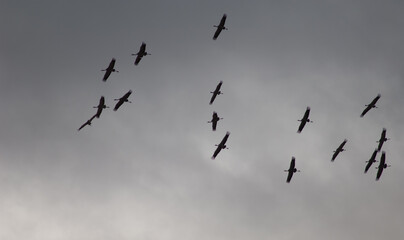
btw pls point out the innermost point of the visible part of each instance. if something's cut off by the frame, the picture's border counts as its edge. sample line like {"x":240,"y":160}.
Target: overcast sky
{"x":145,"y":171}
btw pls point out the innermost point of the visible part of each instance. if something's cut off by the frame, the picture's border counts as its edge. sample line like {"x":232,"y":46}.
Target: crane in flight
{"x":100,"y":107}
{"x":292,"y":169}
{"x":382,"y":140}
{"x":88,"y":122}
{"x":304,"y":120}
{"x":215,"y":119}
{"x":109,"y":70}
{"x":339,"y":149}
{"x":220,"y":27}
{"x":142,"y":52}
{"x":216,"y":92}
{"x":123,"y":99}
{"x":221,"y":145}
{"x":371,"y":161}
{"x":382,"y":165}
{"x":370,"y":105}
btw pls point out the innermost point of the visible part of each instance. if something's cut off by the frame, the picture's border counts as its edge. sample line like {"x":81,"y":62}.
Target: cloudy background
{"x":144,"y":172}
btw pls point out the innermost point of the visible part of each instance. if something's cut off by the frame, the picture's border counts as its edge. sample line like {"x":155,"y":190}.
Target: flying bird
{"x":86,"y":123}
{"x":100,"y":107}
{"x":292,"y":169}
{"x":382,"y":140}
{"x":216,"y":92}
{"x":222,"y":145}
{"x":339,"y":149}
{"x":109,"y":70}
{"x":123,"y":99}
{"x":304,"y":120}
{"x":370,"y":105}
{"x":371,"y":161}
{"x":142,"y":52}
{"x":382,"y":165}
{"x":215,"y":119}
{"x":220,"y":27}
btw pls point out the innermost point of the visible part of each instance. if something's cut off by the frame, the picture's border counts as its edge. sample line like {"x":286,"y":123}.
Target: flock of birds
{"x":215,"y":118}
{"x":125,"y":98}
{"x":382,"y":165}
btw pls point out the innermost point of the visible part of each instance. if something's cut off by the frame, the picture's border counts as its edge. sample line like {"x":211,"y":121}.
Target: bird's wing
{"x":217,"y":151}
{"x":368,"y":166}
{"x":218,"y":31}
{"x":223,"y":20}
{"x":301,"y":126}
{"x":379,"y":171}
{"x":335,"y":155}
{"x":366,"y":110}
{"x":290,"y":174}
{"x":213,"y":97}
{"x":111,"y":64}
{"x":138,"y":58}
{"x":82,"y":126}
{"x":118,"y":104}
{"x":223,"y":142}
{"x":106,"y":75}
{"x":306,"y":114}
{"x":374,"y":101}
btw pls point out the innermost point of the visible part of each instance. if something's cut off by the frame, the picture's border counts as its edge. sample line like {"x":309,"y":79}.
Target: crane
{"x":370,"y":105}
{"x":292,"y":169}
{"x":142,"y":52}
{"x":339,"y":149}
{"x":215,"y":119}
{"x":371,"y":161}
{"x":382,"y":140}
{"x":221,"y":145}
{"x":382,"y":165}
{"x":220,"y":27}
{"x":216,"y":92}
{"x":100,"y":107}
{"x":123,"y":99}
{"x":304,"y":120}
{"x":109,"y":70}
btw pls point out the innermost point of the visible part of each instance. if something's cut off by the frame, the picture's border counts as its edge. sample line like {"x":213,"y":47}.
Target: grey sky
{"x":144,"y":172}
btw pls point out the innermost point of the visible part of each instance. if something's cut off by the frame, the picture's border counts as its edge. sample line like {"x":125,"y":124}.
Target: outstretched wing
{"x":223,"y":20}
{"x":301,"y":126}
{"x":118,"y":104}
{"x":217,"y":33}
{"x":138,"y":58}
{"x":213,"y":98}
{"x":366,"y":110}
{"x":217,"y":151}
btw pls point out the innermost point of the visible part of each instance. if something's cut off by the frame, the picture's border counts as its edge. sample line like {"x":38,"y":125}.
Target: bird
{"x":109,"y":70}
{"x":382,"y":165}
{"x":100,"y":107}
{"x":370,"y":105}
{"x":123,"y":99}
{"x":142,"y":52}
{"x":216,"y":92}
{"x":371,"y":161}
{"x":215,"y":119}
{"x":86,"y":123}
{"x":292,"y":169}
{"x":339,"y":149}
{"x":382,"y":140}
{"x":304,"y":120}
{"x":220,"y":27}
{"x":221,"y":145}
